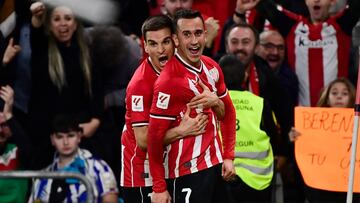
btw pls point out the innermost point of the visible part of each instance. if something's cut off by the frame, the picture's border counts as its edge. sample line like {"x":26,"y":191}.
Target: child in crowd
{"x":65,"y":137}
{"x":340,"y":93}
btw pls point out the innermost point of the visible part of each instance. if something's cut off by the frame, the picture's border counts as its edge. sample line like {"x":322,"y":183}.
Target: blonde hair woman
{"x":63,"y":80}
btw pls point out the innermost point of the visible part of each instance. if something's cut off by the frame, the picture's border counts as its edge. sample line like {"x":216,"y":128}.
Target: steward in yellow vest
{"x":254,"y":160}
{"x":256,"y":133}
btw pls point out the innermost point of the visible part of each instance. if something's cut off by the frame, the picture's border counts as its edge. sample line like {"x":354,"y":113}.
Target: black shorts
{"x":137,"y":194}
{"x":195,"y":187}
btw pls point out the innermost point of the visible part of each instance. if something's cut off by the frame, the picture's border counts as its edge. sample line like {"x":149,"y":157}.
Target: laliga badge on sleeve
{"x":137,"y":103}
{"x":163,"y":100}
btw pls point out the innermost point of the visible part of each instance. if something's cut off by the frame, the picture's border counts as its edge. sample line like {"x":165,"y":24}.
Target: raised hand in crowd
{"x":10,"y":52}
{"x":38,"y":13}
{"x":244,"y":5}
{"x":7,"y":94}
{"x":212,"y":29}
{"x":294,"y":134}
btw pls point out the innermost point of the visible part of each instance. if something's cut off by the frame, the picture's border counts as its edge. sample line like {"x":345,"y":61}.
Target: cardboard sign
{"x":323,"y":151}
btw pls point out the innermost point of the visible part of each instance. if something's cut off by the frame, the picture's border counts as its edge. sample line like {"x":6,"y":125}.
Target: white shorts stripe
{"x":178,"y":158}
{"x":122,"y":166}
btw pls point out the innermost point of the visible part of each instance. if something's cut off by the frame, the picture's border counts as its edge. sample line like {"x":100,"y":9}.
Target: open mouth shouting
{"x":163,"y":60}
{"x":194,"y":50}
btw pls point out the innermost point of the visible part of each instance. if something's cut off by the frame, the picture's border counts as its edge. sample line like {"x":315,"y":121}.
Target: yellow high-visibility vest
{"x":254,"y":160}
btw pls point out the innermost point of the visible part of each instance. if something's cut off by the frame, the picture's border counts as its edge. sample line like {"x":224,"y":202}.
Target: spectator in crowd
{"x":158,"y":32}
{"x":192,"y":164}
{"x":256,"y":19}
{"x":15,"y":150}
{"x":63,"y":78}
{"x":242,"y":41}
{"x":318,"y":46}
{"x":339,"y":93}
{"x":7,"y":75}
{"x":255,"y":130}
{"x":14,"y":52}
{"x":13,"y":14}
{"x":65,"y":137}
{"x":272,"y":49}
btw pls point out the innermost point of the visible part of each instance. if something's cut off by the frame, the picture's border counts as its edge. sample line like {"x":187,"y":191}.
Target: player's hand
{"x":206,"y":99}
{"x":10,"y":52}
{"x":192,"y":126}
{"x":228,"y":170}
{"x":162,"y":197}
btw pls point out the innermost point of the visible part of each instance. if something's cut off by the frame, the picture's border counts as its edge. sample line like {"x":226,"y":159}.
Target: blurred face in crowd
{"x":272,"y":48}
{"x":5,"y":132}
{"x":171,"y":6}
{"x":66,"y":144}
{"x":191,"y":36}
{"x":160,"y":46}
{"x":63,"y":24}
{"x":319,"y":9}
{"x":339,"y":95}
{"x":242,"y":43}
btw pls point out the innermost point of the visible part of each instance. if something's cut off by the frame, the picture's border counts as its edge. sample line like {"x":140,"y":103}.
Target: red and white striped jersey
{"x":175,"y":87}
{"x":139,"y":93}
{"x":319,"y":54}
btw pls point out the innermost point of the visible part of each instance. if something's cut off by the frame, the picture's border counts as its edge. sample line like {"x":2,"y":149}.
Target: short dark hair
{"x":65,"y":123}
{"x":157,"y":22}
{"x":245,"y":26}
{"x":187,"y":14}
{"x":233,"y":70}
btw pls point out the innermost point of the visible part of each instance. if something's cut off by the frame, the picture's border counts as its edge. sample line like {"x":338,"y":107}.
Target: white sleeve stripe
{"x":162,"y":117}
{"x":139,"y":124}
{"x":223,"y":95}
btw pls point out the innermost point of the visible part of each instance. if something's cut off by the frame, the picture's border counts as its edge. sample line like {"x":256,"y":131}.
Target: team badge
{"x":214,"y":74}
{"x":163,"y":100}
{"x":137,"y":103}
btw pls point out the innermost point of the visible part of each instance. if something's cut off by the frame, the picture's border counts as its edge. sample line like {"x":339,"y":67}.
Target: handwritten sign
{"x":323,"y":151}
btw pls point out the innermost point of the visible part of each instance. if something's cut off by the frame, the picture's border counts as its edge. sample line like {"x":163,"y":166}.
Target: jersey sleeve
{"x":138,"y":102}
{"x":228,"y":128}
{"x":220,"y":85}
{"x":228,"y":124}
{"x":160,"y":121}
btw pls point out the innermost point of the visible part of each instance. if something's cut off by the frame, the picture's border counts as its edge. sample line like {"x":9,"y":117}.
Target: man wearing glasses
{"x":272,"y":49}
{"x":243,"y":41}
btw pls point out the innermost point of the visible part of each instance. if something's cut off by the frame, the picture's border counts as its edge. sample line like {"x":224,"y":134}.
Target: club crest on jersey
{"x":137,"y":103}
{"x":214,"y":73}
{"x":163,"y":100}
